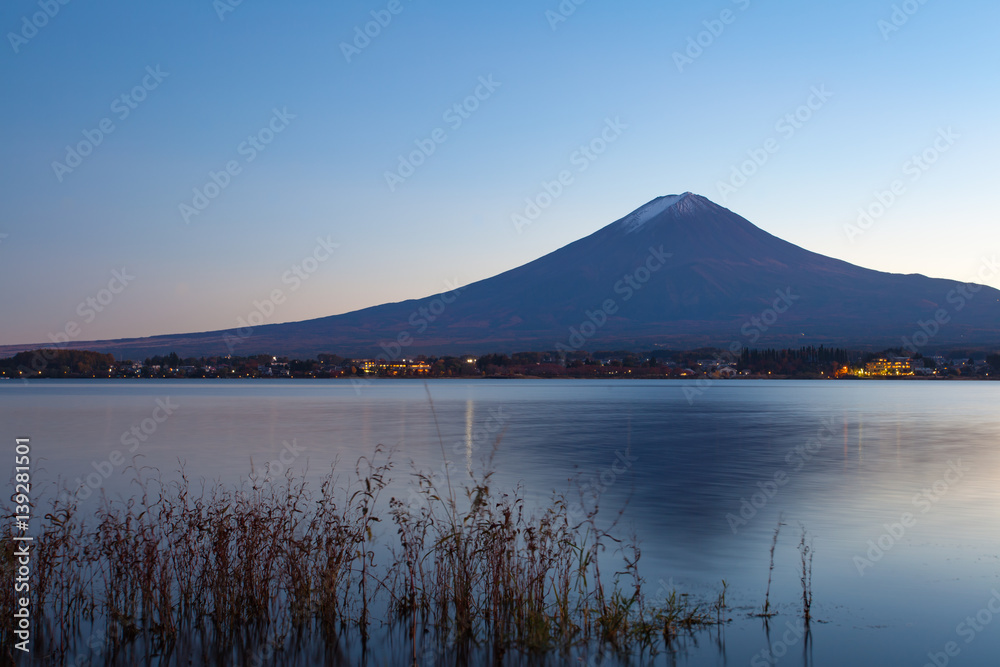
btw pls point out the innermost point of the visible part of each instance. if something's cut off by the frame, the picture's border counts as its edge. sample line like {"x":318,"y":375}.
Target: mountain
{"x":678,"y":272}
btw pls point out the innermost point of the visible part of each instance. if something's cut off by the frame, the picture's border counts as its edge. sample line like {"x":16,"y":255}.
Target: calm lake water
{"x":897,"y":483}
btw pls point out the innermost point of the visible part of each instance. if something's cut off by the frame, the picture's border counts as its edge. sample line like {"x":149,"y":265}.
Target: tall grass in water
{"x":175,"y":560}
{"x":766,"y":612}
{"x":806,"y":553}
{"x":484,"y":569}
{"x":8,"y":571}
{"x":235,"y":565}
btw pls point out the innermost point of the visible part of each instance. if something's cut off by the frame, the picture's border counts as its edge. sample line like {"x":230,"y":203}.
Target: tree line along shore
{"x":804,"y":362}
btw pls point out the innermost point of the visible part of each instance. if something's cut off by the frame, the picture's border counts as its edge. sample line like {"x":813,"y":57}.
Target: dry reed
{"x":242,"y":566}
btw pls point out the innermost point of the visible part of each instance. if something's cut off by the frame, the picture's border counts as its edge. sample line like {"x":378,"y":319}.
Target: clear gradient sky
{"x":200,"y":79}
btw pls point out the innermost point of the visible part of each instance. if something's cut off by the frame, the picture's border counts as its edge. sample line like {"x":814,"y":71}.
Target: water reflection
{"x":844,"y":459}
{"x":470,"y":420}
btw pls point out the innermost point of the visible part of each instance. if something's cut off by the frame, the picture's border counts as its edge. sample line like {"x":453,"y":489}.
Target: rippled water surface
{"x":897,"y":483}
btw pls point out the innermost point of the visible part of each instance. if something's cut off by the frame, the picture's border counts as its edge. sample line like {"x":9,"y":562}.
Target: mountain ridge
{"x":680,"y":271}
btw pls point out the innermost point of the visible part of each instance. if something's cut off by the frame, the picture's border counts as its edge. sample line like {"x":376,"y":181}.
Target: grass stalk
{"x":766,"y":611}
{"x":278,"y":557}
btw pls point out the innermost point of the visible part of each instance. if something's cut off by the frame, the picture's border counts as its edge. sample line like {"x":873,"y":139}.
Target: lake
{"x":897,"y":483}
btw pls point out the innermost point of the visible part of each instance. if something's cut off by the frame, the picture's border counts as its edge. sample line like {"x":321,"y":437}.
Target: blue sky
{"x":309,"y":129}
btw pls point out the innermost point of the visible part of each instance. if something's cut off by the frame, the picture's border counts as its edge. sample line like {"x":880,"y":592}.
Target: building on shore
{"x":890,"y":366}
{"x":402,"y":367}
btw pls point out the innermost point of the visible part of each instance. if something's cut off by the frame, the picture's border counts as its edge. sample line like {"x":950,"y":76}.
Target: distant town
{"x":804,"y":362}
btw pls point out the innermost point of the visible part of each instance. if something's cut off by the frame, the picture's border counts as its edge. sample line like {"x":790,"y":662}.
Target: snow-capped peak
{"x":644,"y":214}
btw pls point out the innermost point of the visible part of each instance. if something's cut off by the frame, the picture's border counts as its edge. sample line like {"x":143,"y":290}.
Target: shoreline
{"x":700,"y":378}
